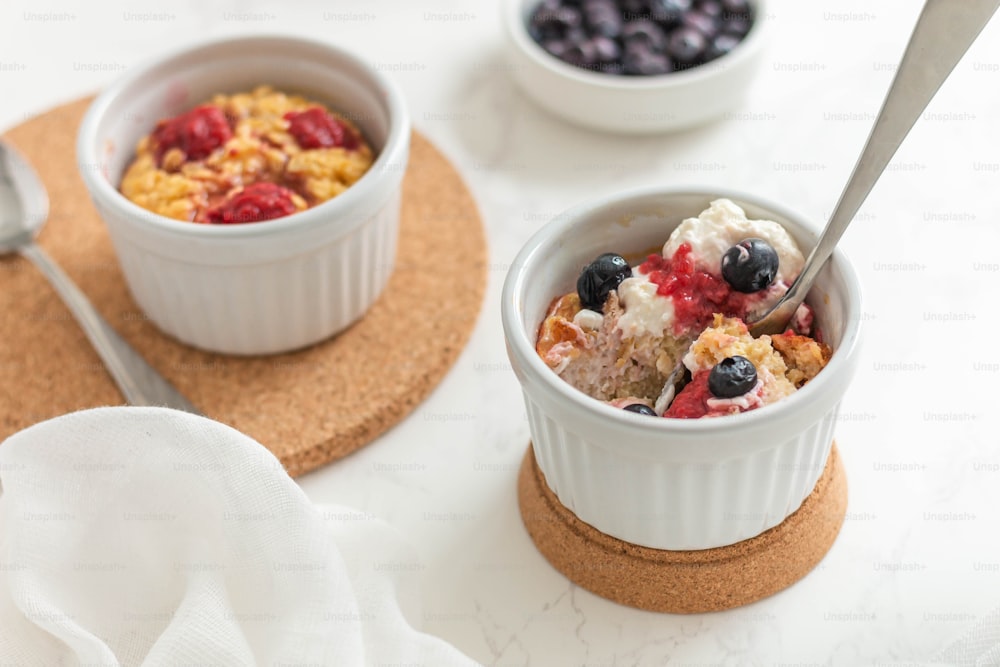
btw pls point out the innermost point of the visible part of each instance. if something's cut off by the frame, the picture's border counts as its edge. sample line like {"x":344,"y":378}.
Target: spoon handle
{"x":139,"y":382}
{"x":944,"y":32}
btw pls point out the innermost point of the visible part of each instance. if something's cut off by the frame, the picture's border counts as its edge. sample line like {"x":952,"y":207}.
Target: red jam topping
{"x":697,"y":295}
{"x":317,"y":128}
{"x":692,"y":401}
{"x":260,"y":201}
{"x":197,"y":133}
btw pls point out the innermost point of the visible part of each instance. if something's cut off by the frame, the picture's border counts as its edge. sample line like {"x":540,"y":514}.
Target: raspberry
{"x":260,"y":201}
{"x":697,"y":295}
{"x":197,"y":132}
{"x":316,"y":128}
{"x":692,"y":401}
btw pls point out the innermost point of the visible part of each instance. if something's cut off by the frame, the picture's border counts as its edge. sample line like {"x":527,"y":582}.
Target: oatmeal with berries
{"x":625,"y":330}
{"x":246,"y":157}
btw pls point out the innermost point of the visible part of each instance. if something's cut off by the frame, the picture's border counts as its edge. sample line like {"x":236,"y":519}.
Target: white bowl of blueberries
{"x":635,"y":66}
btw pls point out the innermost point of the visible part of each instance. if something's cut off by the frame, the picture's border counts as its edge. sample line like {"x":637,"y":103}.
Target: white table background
{"x":917,"y":563}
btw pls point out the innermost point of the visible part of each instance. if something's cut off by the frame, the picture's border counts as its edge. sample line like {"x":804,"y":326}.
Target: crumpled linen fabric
{"x":148,"y":536}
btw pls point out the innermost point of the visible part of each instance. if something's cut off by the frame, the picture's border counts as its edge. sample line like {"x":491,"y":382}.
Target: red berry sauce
{"x":317,"y":128}
{"x":692,"y":401}
{"x":197,"y":132}
{"x":260,"y":201}
{"x":697,"y":295}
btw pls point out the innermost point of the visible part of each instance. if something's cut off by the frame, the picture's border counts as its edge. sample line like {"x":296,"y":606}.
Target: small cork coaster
{"x":309,"y":407}
{"x":684,"y":582}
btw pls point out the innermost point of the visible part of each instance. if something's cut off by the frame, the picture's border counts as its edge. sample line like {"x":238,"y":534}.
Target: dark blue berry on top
{"x":732,"y":377}
{"x":600,"y":277}
{"x":750,"y":266}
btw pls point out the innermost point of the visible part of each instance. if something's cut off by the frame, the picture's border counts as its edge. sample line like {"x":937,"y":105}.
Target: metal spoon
{"x":24,"y":208}
{"x":944,"y":32}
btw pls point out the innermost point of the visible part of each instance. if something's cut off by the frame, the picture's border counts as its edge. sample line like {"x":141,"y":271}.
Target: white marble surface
{"x":917,"y":563}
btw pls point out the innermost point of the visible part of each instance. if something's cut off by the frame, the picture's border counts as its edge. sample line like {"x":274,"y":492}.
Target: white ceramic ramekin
{"x":631,"y":105}
{"x":672,"y":483}
{"x":263,"y":287}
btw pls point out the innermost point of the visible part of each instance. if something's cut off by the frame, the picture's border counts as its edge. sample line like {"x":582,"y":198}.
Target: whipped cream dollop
{"x":719,"y":227}
{"x":646,"y":312}
{"x":724,"y":224}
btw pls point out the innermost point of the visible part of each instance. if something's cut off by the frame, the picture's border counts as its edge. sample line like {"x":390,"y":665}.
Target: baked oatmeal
{"x":246,"y":157}
{"x":622,"y":333}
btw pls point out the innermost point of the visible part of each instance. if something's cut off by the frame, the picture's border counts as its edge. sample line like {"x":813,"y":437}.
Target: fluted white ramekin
{"x":264,"y":287}
{"x":672,"y":483}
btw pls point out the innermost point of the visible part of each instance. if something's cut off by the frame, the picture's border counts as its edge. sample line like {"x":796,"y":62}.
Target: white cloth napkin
{"x":146,"y":536}
{"x":980,"y":647}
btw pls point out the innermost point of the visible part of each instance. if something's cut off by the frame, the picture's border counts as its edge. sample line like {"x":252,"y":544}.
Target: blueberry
{"x":738,"y":26}
{"x":556,"y":47}
{"x":645,"y":32}
{"x":668,"y":13}
{"x":750,"y":265}
{"x":576,"y":35}
{"x":569,"y":17}
{"x":711,"y":8}
{"x":721,"y":45}
{"x":580,"y":54}
{"x":703,"y":23}
{"x":600,"y":277}
{"x":640,"y":409}
{"x":607,"y":50}
{"x":732,"y":377}
{"x":603,"y":19}
{"x":543,"y":24}
{"x":741,"y":7}
{"x":634,"y":7}
{"x":553,"y":22}
{"x":640,"y":61}
{"x":686,"y":45}
{"x":573,"y":49}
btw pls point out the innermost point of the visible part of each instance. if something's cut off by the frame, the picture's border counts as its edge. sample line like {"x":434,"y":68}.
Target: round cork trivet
{"x":684,"y":582}
{"x":309,"y":407}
